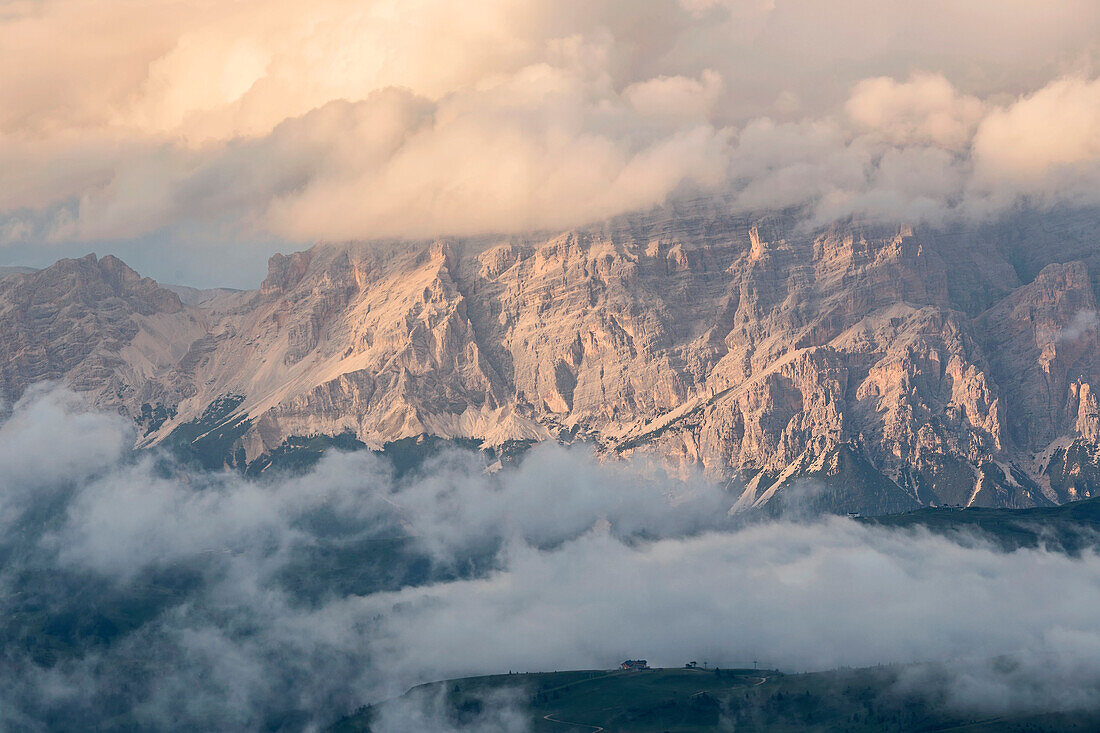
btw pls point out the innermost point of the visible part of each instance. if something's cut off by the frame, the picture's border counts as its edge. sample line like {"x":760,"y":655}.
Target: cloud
{"x":1083,"y":321}
{"x":278,"y":121}
{"x":215,"y":70}
{"x":428,"y":711}
{"x":796,"y":596}
{"x":135,"y":591}
{"x":820,"y":167}
{"x":454,"y":508}
{"x":1044,"y":145}
{"x":505,"y":165}
{"x":36,"y":464}
{"x":536,"y":153}
{"x":925,"y":109}
{"x":675,"y":97}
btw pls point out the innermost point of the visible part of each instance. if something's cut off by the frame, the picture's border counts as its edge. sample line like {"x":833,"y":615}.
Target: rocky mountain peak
{"x":90,"y":280}
{"x":930,"y":367}
{"x":284,"y":272}
{"x":77,"y":319}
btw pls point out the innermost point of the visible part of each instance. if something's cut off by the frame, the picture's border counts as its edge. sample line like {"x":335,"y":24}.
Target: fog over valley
{"x":137,"y":592}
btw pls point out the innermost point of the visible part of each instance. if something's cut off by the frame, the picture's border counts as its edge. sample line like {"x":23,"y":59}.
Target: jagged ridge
{"x":896,"y":367}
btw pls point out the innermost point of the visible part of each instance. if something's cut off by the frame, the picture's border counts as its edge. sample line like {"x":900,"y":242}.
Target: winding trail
{"x":973,"y":724}
{"x":552,"y":719}
{"x":756,"y":684}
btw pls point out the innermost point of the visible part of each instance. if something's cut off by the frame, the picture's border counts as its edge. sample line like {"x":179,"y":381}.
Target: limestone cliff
{"x":885,"y":366}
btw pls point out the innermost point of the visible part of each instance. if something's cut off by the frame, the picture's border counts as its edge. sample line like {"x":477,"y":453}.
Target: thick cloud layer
{"x":136,"y":593}
{"x":199,"y":122}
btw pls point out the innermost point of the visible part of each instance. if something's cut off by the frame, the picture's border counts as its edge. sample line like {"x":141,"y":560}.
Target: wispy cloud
{"x":1083,"y":322}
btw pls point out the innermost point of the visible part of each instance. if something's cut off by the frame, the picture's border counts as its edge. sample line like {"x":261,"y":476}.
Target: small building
{"x":634,"y":665}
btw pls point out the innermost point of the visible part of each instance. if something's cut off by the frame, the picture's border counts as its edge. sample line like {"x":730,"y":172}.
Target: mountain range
{"x":851,"y":366}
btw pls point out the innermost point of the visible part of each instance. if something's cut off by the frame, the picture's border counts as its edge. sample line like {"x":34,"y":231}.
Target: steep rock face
{"x":372,"y":340}
{"x":590,"y":330}
{"x":892,"y":367}
{"x":98,"y":325}
{"x":1043,"y":341}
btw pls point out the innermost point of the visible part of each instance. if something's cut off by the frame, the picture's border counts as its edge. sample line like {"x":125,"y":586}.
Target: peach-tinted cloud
{"x":1046,"y":144}
{"x":675,"y":97}
{"x":924,"y":109}
{"x":360,"y":118}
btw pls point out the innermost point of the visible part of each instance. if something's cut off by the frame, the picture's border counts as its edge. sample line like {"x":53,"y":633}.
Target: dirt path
{"x":612,"y":673}
{"x":964,"y":726}
{"x":762,"y":681}
{"x":552,"y":719}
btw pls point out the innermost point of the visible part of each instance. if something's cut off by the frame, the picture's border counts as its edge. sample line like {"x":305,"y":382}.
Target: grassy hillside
{"x":1067,"y":528}
{"x":689,"y":700}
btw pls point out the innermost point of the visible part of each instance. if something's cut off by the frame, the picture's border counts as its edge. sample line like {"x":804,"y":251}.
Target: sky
{"x":194,"y":137}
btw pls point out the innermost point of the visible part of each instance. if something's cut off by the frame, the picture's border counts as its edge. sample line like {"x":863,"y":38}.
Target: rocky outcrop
{"x":98,"y":325}
{"x":894,"y":367}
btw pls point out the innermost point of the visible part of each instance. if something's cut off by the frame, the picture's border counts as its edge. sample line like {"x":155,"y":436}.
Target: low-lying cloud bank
{"x":133,"y":592}
{"x":192,"y":122}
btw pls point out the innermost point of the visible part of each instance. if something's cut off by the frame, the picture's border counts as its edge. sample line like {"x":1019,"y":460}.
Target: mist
{"x":137,"y":593}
